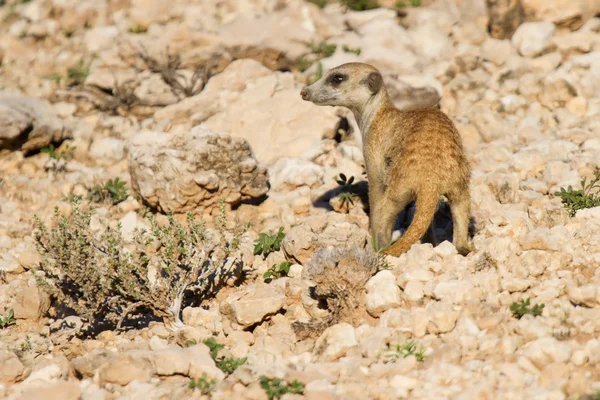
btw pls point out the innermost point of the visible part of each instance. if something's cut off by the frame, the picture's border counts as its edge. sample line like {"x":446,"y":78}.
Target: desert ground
{"x":176,"y":222}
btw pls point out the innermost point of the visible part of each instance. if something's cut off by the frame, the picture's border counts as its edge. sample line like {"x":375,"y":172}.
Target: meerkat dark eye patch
{"x":336,"y":79}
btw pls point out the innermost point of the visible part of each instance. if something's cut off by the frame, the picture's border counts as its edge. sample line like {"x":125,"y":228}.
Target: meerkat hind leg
{"x":460,"y":209}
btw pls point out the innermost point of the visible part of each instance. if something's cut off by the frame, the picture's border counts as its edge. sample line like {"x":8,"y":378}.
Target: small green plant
{"x":322,"y":48}
{"x":278,"y":270}
{"x":54,"y":78}
{"x":225,"y":364}
{"x":222,"y":228}
{"x":113,"y":191}
{"x":229,"y":365}
{"x":347,"y":192}
{"x":190,"y":343}
{"x":268,"y":242}
{"x":203,"y":384}
{"x":213,"y":346}
{"x":276,"y":388}
{"x":405,"y":350}
{"x":360,"y":5}
{"x":137,"y":29}
{"x":66,"y":152}
{"x":521,"y":308}
{"x":26,"y":346}
{"x":7,"y":319}
{"x":78,"y":73}
{"x":319,"y":3}
{"x":405,"y":3}
{"x":355,"y":50}
{"x":575,"y":200}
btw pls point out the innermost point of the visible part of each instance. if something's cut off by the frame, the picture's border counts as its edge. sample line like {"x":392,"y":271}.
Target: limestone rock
{"x":28,"y":124}
{"x":252,"y":304}
{"x":249,"y":101}
{"x":191,"y":171}
{"x":532,"y":38}
{"x":382,"y":293}
{"x":334,"y":342}
{"x":322,"y":231}
{"x":11,"y":368}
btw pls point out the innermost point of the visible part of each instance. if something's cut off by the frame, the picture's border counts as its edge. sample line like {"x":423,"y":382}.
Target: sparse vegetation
{"x":203,"y":384}
{"x":26,"y":346}
{"x":104,"y":278}
{"x":322,"y":49}
{"x":521,"y":308}
{"x":65,"y":152}
{"x":348,"y":49}
{"x":226,"y":364}
{"x":360,"y":5}
{"x":278,"y":270}
{"x":268,"y":242}
{"x":76,"y":75}
{"x":347,"y":189}
{"x":137,"y":29}
{"x":319,"y":3}
{"x":114,"y":191}
{"x":405,"y":350}
{"x":407,"y":3}
{"x":170,"y":70}
{"x":276,"y":388}
{"x":7,"y":319}
{"x":586,"y":197}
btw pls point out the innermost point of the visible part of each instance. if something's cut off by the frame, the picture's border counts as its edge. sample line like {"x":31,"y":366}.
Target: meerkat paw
{"x":464,"y":250}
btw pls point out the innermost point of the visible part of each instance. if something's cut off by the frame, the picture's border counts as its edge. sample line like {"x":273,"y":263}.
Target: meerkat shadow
{"x":442,"y":222}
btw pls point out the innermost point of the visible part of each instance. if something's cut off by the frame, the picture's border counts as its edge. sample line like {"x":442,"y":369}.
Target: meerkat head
{"x":349,"y":85}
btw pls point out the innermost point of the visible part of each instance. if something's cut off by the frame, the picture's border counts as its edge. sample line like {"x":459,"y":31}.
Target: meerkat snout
{"x":409,"y":155}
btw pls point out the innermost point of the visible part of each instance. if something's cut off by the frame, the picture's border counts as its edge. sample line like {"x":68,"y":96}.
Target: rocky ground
{"x":196,"y":107}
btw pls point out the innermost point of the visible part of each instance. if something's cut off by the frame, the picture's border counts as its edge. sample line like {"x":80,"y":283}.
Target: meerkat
{"x":410,"y":155}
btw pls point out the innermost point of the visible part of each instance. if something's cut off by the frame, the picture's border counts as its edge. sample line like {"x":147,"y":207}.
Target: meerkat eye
{"x":336,"y":79}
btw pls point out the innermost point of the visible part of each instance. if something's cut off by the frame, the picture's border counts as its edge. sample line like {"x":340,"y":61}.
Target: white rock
{"x":413,"y":291}
{"x":545,"y":351}
{"x":288,"y":174}
{"x":532,"y":38}
{"x":253,"y":303}
{"x":109,"y":148}
{"x":382,"y":293}
{"x":334,"y":343}
{"x":442,"y":318}
{"x":454,"y":291}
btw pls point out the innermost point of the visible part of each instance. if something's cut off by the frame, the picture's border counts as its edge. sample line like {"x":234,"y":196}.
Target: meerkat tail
{"x":426,"y":206}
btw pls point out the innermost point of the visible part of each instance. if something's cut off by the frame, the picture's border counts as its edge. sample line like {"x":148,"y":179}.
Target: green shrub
{"x":360,"y":5}
{"x":521,"y":308}
{"x":405,"y":350}
{"x":113,"y":192}
{"x":7,"y":319}
{"x":585,"y":197}
{"x":203,"y":384}
{"x":278,"y":270}
{"x":267,"y":243}
{"x":78,"y":73}
{"x":104,"y":278}
{"x":276,"y":388}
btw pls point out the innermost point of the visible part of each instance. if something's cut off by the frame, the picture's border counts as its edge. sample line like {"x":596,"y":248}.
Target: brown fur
{"x":409,"y":155}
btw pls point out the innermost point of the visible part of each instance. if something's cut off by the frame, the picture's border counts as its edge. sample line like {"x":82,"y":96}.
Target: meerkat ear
{"x":374,"y":81}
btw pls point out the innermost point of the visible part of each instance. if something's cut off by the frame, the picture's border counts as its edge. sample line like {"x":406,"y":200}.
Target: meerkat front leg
{"x":388,"y":207}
